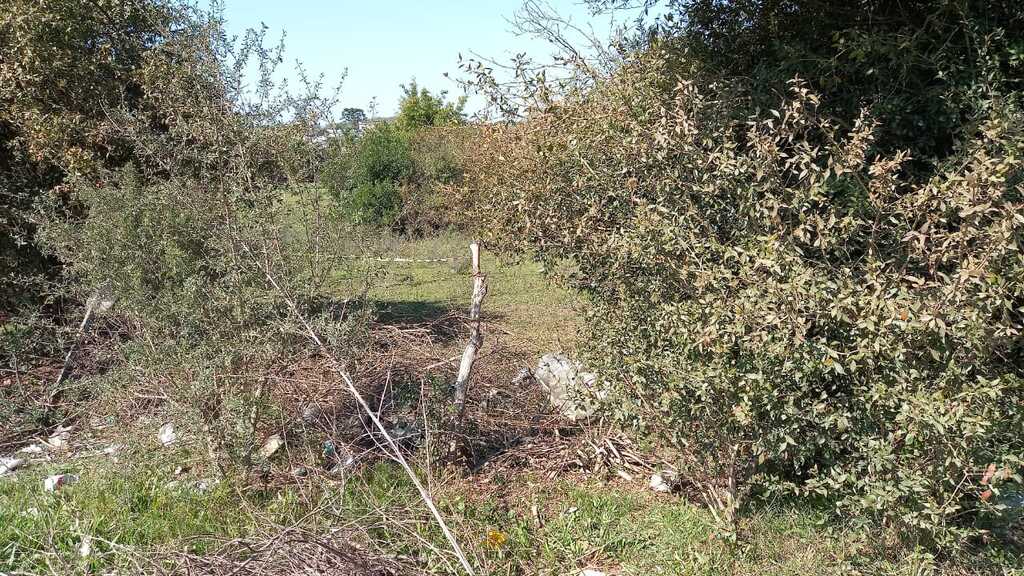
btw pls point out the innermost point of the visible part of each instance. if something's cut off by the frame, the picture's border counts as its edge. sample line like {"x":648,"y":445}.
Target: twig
{"x":100,"y":301}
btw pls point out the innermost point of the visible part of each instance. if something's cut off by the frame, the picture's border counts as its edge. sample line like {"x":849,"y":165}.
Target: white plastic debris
{"x":203,"y":486}
{"x":664,"y":481}
{"x":167,"y":435}
{"x":85,"y":548}
{"x":54,"y":483}
{"x":31,"y":449}
{"x":60,"y":438}
{"x":574,"y":392}
{"x":112,"y":449}
{"x":592,"y":572}
{"x":272,"y":445}
{"x":9,"y":465}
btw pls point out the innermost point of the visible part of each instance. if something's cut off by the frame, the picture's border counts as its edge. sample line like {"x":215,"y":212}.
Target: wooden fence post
{"x":476,"y":338}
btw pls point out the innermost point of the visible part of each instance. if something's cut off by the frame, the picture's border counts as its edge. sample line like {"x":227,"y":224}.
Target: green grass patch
{"x":520,"y":298}
{"x":120,"y":508}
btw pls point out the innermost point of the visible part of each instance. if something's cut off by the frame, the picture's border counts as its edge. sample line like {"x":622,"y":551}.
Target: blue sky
{"x":384,"y":44}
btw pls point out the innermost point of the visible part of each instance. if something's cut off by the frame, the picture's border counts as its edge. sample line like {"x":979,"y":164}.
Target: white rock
{"x":54,"y":483}
{"x":9,"y":465}
{"x":664,"y":481}
{"x":272,"y":445}
{"x":167,"y":435}
{"x":60,"y":438}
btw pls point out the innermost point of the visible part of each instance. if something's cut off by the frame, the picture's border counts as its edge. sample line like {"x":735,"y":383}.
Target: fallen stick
{"x":100,"y":301}
{"x":424,"y":495}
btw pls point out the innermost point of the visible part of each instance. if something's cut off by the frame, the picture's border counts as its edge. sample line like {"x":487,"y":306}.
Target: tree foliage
{"x":186,"y":193}
{"x":419,"y":108}
{"x":387,"y":175}
{"x":777,"y":283}
{"x":63,"y":65}
{"x":929,"y":71}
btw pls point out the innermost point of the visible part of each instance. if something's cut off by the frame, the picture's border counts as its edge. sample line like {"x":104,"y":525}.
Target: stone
{"x":569,"y":389}
{"x":665,"y":481}
{"x":312,"y":413}
{"x":272,"y":445}
{"x":166,"y":435}
{"x":9,"y":465}
{"x":60,"y":438}
{"x":522,"y":377}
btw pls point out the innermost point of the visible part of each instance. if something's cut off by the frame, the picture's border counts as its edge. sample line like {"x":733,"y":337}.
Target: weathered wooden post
{"x":476,"y":338}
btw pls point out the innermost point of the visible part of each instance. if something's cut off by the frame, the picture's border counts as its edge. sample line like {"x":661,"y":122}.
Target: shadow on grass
{"x":445,"y":322}
{"x":412,"y":312}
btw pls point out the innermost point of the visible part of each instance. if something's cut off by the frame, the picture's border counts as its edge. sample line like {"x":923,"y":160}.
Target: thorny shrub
{"x":215,"y":201}
{"x":773,"y":296}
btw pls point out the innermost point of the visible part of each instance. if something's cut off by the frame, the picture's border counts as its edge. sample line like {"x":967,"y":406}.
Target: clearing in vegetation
{"x":754,"y":298}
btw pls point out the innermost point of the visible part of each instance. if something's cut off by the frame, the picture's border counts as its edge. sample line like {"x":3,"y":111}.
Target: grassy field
{"x":133,"y":519}
{"x":520,"y":301}
{"x":150,"y":508}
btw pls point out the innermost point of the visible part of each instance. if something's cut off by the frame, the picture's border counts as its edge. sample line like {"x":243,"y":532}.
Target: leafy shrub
{"x":366,"y":174}
{"x":63,"y":64}
{"x":927,"y":70}
{"x":419,"y":108}
{"x":206,"y":229}
{"x":437,"y":153}
{"x":390,"y":175}
{"x":772,"y":294}
{"x":376,"y":203}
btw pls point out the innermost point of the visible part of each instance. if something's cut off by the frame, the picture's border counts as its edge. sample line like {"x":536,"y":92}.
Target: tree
{"x":63,"y":65}
{"x":420,"y":108}
{"x":354,"y":117}
{"x":928,"y":70}
{"x":809,"y":285}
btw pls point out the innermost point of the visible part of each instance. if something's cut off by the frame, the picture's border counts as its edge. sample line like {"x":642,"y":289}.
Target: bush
{"x":388,"y":176}
{"x":206,"y":230}
{"x":375,"y":203}
{"x":366,"y":173}
{"x":63,"y":65}
{"x":774,"y":296}
{"x":419,"y":108}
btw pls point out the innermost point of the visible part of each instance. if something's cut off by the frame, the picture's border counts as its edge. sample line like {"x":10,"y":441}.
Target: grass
{"x":525,"y":303}
{"x":129,"y":511}
{"x":122,"y":508}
